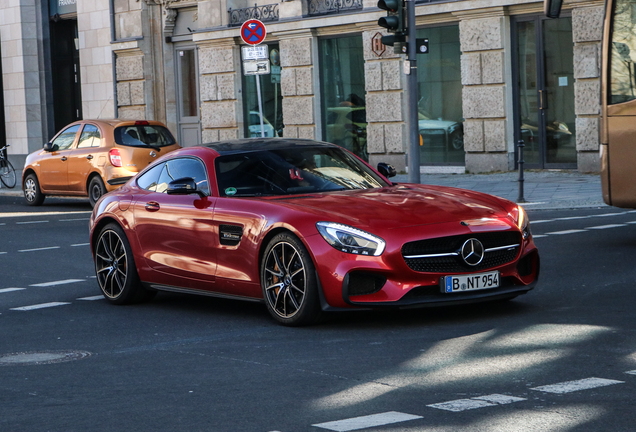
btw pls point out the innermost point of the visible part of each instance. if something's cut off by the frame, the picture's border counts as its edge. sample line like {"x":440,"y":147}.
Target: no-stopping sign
{"x":253,"y":32}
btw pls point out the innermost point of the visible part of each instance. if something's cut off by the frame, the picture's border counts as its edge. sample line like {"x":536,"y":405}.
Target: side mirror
{"x":182,"y":186}
{"x":386,"y":170}
{"x":552,"y":8}
{"x":50,"y":147}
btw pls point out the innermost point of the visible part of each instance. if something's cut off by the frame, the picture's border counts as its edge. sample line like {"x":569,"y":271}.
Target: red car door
{"x":176,"y":232}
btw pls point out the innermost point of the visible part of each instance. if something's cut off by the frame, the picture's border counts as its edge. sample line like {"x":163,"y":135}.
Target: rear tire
{"x":289,"y":282}
{"x":32,"y":193}
{"x":96,"y":189}
{"x":7,"y":174}
{"x":115,"y":268}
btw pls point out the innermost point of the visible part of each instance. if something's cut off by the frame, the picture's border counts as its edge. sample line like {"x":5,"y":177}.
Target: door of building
{"x":67,"y":93}
{"x":544,"y":92}
{"x":189,"y":120}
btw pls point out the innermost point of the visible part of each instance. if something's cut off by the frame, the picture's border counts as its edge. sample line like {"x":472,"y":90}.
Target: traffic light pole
{"x":414,"y":135}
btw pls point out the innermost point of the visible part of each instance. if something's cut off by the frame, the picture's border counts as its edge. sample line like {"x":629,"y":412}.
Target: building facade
{"x":496,"y":72}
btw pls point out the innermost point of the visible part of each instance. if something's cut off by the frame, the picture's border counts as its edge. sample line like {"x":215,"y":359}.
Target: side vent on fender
{"x":230,"y":235}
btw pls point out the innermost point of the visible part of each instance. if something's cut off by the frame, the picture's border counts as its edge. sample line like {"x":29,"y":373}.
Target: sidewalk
{"x":548,"y":189}
{"x":542,"y":189}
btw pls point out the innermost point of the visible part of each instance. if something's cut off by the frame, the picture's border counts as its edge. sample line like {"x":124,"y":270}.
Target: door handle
{"x":64,"y":158}
{"x":89,"y":157}
{"x":542,"y":101}
{"x":152,"y":206}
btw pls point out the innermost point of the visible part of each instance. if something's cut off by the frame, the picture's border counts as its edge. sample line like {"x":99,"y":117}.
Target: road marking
{"x":60,"y":282}
{"x":632,"y":372}
{"x":600,"y":227}
{"x":6,"y":290}
{"x":364,"y":422}
{"x":539,"y":235}
{"x":476,"y":402}
{"x":73,"y":220}
{"x":572,"y":231}
{"x":39,"y":249}
{"x":81,"y":244}
{"x":23,"y":214}
{"x":572,"y":386}
{"x":98,"y":297}
{"x":2,"y":253}
{"x":39,"y":306}
{"x":30,"y":222}
{"x":2,"y":224}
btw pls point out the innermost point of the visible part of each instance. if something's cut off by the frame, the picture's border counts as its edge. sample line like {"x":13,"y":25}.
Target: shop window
{"x":343,"y":106}
{"x":440,"y":98}
{"x":271,"y":97}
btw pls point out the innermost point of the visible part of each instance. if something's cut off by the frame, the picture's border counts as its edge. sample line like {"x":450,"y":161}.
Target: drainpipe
{"x":113,"y":38}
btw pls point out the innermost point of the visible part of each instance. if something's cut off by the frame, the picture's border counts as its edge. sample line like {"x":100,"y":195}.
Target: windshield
{"x":293,"y":171}
{"x":143,"y":136}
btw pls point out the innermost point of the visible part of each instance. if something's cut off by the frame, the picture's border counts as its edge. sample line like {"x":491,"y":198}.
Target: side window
{"x":148,"y":180}
{"x":622,"y":48}
{"x":184,"y":167}
{"x":90,"y":137}
{"x":64,"y":141}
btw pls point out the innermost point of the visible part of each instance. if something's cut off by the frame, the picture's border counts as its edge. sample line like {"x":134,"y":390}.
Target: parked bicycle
{"x":7,"y":172}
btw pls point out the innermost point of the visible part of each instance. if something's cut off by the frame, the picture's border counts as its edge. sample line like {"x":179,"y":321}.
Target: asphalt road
{"x":558,"y":358}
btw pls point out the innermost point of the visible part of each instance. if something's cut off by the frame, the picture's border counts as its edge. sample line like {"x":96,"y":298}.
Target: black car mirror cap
{"x":387,"y":170}
{"x":50,"y":147}
{"x":183,"y":186}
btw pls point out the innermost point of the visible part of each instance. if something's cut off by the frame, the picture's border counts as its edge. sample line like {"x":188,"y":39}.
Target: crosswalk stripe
{"x":572,"y":386}
{"x":364,"y":422}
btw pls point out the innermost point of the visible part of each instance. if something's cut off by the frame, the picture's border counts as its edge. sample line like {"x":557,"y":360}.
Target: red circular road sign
{"x":253,"y":32}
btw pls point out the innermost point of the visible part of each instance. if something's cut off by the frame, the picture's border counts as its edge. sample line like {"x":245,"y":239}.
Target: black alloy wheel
{"x":115,"y":268}
{"x":288,"y":280}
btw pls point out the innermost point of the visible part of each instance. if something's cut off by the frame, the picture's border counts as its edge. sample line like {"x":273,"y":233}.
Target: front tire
{"x":115,"y":268}
{"x":289,"y":283}
{"x":96,"y":189}
{"x":32,"y":193}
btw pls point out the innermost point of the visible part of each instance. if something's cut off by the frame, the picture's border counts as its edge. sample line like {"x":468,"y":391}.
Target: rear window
{"x":143,"y":136}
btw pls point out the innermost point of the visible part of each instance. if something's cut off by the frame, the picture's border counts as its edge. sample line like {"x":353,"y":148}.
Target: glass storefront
{"x":272,"y":100}
{"x":440,"y":97}
{"x":344,"y":113}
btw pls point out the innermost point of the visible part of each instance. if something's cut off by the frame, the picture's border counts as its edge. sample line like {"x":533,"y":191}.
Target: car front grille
{"x":413,"y":252}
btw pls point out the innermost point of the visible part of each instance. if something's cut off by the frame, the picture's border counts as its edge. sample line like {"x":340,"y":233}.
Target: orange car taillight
{"x":115,"y":157}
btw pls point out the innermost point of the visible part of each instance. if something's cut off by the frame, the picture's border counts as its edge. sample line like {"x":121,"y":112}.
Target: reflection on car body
{"x":305,"y":227}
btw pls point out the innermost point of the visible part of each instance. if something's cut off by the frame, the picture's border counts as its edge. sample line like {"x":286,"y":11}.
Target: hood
{"x":399,"y":206}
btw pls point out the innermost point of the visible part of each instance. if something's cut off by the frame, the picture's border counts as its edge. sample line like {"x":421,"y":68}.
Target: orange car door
{"x":53,"y":170}
{"x":84,"y":158}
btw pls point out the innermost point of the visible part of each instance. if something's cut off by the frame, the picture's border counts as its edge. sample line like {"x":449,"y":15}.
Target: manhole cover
{"x":41,"y":357}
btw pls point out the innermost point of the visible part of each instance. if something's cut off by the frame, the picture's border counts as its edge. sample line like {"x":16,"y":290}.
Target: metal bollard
{"x":521,"y":145}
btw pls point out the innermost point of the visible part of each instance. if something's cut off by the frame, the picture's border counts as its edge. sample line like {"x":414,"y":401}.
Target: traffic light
{"x":394,"y":20}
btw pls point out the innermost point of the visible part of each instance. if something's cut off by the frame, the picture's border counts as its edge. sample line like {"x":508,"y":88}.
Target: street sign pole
{"x":414,"y":136}
{"x":260,"y":103}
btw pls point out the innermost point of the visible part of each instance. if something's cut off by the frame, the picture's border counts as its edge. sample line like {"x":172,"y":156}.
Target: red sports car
{"x":306,"y":227}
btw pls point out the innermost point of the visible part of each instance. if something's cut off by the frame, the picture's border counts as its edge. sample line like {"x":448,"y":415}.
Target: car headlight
{"x":521,"y":220}
{"x":350,"y":240}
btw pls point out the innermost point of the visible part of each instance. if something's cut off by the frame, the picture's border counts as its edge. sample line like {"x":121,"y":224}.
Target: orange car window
{"x":90,"y":137}
{"x":64,"y":141}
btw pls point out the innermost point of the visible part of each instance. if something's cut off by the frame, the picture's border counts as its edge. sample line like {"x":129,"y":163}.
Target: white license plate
{"x":471,"y":282}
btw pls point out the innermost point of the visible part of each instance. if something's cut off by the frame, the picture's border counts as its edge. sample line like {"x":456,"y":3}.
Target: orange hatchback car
{"x":92,"y":157}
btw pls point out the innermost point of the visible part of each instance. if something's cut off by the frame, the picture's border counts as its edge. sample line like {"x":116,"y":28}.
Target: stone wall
{"x":131,"y":100}
{"x":219,"y":77}
{"x":587,"y":31}
{"x":385,"y":101}
{"x":96,"y":64}
{"x":297,"y":85}
{"x":23,"y":115}
{"x":484,"y":93}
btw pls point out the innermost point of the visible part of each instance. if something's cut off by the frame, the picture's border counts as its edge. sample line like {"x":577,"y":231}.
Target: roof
{"x":256,"y":144}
